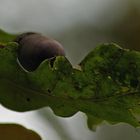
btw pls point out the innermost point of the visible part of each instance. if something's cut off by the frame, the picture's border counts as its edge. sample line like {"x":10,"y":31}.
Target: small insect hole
{"x":28,"y":99}
{"x":49,"y":91}
{"x":52,"y":61}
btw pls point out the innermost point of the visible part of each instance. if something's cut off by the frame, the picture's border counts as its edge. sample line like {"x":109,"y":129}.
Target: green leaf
{"x":105,"y":87}
{"x":17,"y":132}
{"x":5,"y":37}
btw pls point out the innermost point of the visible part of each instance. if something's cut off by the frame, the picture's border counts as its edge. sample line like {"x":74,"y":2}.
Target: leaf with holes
{"x":105,"y":87}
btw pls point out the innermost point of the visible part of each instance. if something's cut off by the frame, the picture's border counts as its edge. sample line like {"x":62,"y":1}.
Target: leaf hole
{"x":49,"y":91}
{"x":28,"y":99}
{"x":52,"y":61}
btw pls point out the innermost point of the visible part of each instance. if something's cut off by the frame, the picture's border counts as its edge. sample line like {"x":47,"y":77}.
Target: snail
{"x":34,"y":48}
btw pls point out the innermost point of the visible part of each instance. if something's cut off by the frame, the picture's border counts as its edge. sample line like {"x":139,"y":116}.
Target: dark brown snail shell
{"x":34,"y":48}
